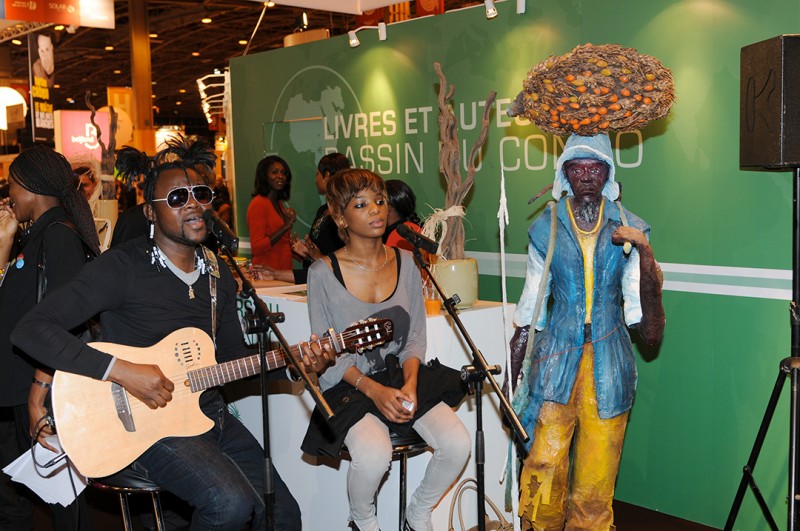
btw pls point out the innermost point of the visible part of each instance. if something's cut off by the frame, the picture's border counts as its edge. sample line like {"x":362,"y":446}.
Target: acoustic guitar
{"x":103,"y":428}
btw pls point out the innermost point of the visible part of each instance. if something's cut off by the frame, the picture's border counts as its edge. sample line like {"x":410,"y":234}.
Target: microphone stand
{"x":474,"y":376}
{"x":260,"y":322}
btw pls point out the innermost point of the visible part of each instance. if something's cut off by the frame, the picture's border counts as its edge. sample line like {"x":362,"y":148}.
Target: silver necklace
{"x":385,"y":260}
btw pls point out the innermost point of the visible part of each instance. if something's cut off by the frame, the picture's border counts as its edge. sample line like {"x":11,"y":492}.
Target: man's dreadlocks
{"x":179,"y":152}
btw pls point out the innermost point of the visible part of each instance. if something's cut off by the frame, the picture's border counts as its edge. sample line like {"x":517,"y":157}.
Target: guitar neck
{"x":230,"y":371}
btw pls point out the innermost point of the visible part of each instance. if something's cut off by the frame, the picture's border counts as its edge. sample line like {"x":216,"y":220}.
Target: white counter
{"x":319,"y":484}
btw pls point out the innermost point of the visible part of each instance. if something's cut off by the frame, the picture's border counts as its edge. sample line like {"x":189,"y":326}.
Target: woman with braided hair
{"x":58,"y":227}
{"x":143,"y":290}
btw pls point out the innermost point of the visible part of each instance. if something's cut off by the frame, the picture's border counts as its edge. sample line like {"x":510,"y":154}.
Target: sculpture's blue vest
{"x":558,"y":348}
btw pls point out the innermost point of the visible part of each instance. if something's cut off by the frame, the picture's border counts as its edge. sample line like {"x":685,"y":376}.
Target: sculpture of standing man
{"x":591,"y":275}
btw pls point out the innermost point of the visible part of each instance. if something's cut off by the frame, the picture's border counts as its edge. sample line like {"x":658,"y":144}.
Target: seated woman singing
{"x":387,"y":389}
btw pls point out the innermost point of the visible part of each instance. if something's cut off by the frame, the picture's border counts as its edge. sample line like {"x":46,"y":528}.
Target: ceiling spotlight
{"x":60,"y":27}
{"x":108,"y":48}
{"x":182,"y":91}
{"x":205,"y":20}
{"x":353,"y":38}
{"x":117,"y":71}
{"x":270,"y":4}
{"x":153,"y":35}
{"x":16,"y":42}
{"x":491,"y":11}
{"x":195,"y":54}
{"x":242,"y":42}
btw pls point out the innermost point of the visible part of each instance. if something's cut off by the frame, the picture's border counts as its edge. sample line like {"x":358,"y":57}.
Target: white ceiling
{"x":354,"y":7}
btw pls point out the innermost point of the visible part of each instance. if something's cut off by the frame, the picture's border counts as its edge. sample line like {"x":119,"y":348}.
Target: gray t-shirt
{"x":330,"y":305}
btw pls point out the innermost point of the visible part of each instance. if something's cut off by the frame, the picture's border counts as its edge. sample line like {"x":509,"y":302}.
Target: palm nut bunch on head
{"x":595,"y":89}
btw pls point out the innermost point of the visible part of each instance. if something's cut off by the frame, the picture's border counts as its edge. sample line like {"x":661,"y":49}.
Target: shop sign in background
{"x":723,"y":235}
{"x":89,"y":13}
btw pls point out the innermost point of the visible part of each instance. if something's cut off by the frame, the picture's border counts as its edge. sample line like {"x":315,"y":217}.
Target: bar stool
{"x":125,"y":483}
{"x":403,"y":447}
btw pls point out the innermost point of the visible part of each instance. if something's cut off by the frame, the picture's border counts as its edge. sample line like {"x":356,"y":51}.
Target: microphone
{"x":220,"y":229}
{"x":416,"y":239}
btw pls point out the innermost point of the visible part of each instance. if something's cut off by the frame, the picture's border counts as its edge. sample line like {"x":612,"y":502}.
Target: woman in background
{"x":269,"y":218}
{"x":323,"y":238}
{"x":222,"y":201}
{"x":388,"y":388}
{"x":402,"y":210}
{"x":58,"y":232}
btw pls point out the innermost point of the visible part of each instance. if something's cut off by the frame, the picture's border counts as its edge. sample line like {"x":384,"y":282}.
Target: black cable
{"x":46,"y":420}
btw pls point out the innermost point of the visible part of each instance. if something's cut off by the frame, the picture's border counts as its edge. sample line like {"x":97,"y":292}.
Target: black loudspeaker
{"x":769,"y":104}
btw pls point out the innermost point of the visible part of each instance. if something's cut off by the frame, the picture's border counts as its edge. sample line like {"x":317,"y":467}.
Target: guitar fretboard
{"x":359,"y":336}
{"x":222,"y":373}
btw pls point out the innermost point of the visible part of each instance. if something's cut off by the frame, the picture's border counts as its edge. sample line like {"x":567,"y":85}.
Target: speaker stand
{"x":788,"y":367}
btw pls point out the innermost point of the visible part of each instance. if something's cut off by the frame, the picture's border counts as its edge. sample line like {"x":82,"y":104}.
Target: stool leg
{"x":403,"y":462}
{"x":157,"y":511}
{"x":126,"y":512}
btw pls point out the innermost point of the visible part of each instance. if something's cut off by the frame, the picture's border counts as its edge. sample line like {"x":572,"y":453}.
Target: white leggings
{"x":371,"y":454}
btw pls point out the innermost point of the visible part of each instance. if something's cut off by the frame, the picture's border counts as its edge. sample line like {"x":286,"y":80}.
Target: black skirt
{"x":435,"y":383}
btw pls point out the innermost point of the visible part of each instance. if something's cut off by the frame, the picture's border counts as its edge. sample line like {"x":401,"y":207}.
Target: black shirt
{"x":324,"y":232}
{"x":65,"y":256}
{"x":325,"y":236}
{"x":139,"y":304}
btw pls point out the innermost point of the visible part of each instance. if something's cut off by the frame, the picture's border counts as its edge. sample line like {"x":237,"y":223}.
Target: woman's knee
{"x":458,"y":443}
{"x":377,"y":457}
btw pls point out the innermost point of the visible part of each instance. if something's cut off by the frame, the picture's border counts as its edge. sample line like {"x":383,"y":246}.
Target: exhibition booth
{"x":721,"y":234}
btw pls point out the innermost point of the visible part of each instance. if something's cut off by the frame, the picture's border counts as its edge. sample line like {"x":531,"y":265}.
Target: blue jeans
{"x":220,"y":474}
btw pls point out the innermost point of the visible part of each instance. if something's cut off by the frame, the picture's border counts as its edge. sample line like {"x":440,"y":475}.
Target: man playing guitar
{"x":143,"y":290}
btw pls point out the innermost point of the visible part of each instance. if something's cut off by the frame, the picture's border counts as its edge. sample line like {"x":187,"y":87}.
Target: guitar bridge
{"x":123,"y":407}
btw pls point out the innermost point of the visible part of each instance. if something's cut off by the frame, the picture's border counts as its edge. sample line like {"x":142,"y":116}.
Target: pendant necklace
{"x":385,"y":260}
{"x":188,"y":278}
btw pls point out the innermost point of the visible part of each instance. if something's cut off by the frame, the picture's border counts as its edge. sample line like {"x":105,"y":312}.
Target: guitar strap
{"x":212,"y":268}
{"x":212,"y":288}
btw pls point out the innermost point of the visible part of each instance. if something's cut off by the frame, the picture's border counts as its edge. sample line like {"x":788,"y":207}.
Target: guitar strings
{"x":179,"y":379}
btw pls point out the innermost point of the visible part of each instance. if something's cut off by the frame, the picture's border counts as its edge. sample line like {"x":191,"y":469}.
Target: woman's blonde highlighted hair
{"x":343,"y":186}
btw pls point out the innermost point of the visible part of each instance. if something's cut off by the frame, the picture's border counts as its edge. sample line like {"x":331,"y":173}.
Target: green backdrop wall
{"x":722,"y":234}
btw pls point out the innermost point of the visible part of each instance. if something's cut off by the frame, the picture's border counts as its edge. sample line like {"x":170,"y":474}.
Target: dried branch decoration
{"x":108,"y":152}
{"x":451,"y":245}
{"x":595,"y":89}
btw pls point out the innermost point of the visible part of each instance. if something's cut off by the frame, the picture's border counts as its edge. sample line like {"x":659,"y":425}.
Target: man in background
{"x":45,"y":66}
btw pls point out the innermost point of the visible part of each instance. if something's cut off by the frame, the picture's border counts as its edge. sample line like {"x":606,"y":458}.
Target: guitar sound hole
{"x":187,"y":352}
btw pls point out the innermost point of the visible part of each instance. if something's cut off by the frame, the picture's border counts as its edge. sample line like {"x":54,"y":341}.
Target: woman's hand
{"x":260,"y":272}
{"x":289,"y":217}
{"x":35,"y":413}
{"x":410,"y":389}
{"x":389,"y":402}
{"x":8,"y":222}
{"x":313,"y":251}
{"x":299,"y":247}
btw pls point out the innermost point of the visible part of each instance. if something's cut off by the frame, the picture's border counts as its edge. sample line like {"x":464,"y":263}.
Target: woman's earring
{"x":152,"y":229}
